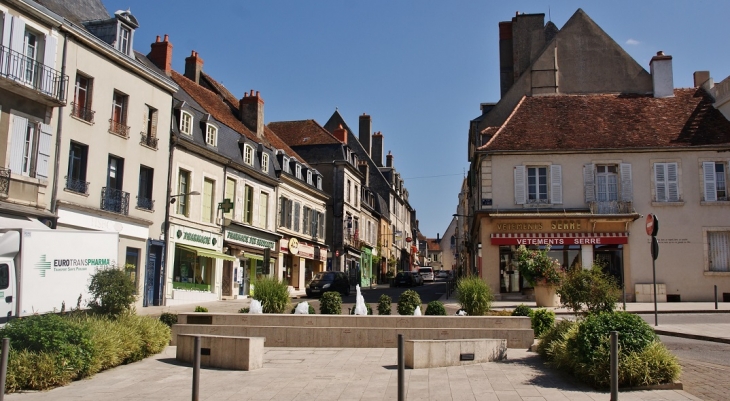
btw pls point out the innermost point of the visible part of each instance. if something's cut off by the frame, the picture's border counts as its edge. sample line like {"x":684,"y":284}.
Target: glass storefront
{"x":510,"y":279}
{"x":192,"y":272}
{"x":253,"y":267}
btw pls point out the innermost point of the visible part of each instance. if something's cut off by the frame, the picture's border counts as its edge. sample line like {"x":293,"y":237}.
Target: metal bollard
{"x":614,"y":366}
{"x":401,"y":369}
{"x":4,"y":366}
{"x":196,"y":370}
{"x":715,"y":296}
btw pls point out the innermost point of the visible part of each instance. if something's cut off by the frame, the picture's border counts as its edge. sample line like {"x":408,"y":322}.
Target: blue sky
{"x":419,"y":68}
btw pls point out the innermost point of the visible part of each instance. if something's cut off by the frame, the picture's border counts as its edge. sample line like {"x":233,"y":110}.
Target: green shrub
{"x":589,"y":290}
{"x":29,"y":370}
{"x":112,"y":292}
{"x":168,"y":318}
{"x":474,"y":295}
{"x":407,"y":302}
{"x":152,"y":336}
{"x":330,"y":303}
{"x":542,"y":320}
{"x":310,"y":310}
{"x":243,"y":310}
{"x":435,"y":308}
{"x":367,"y":305}
{"x":593,"y":332}
{"x":554,"y":334}
{"x":654,"y":365}
{"x":522,"y":310}
{"x":200,"y":309}
{"x":273,"y":295}
{"x":384,"y":305}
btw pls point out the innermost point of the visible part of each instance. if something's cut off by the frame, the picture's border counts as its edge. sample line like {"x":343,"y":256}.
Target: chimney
{"x":520,"y":42}
{"x":364,"y":168}
{"x":377,"y":149}
{"x":506,"y":63}
{"x":661,"y":75}
{"x":700,"y":77}
{"x":341,"y":134}
{"x":193,"y":67}
{"x":251,"y":107}
{"x":161,"y":54}
{"x":366,"y":124}
{"x":437,"y":237}
{"x":389,"y":160}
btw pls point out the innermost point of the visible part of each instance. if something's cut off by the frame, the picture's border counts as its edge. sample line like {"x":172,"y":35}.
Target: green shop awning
{"x":207,"y":253}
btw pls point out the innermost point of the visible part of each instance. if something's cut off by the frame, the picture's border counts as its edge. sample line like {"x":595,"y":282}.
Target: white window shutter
{"x":708,"y":169}
{"x":17,"y":143}
{"x":520,"y":185}
{"x":49,"y":60}
{"x":7,"y":25}
{"x":589,"y":182}
{"x":18,"y":35}
{"x":44,"y":151}
{"x":556,"y":184}
{"x":660,"y":181}
{"x":672,"y":183}
{"x":627,"y":192}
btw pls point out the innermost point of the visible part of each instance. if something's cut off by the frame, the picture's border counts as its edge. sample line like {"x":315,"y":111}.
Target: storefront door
{"x":227,"y":277}
{"x":509,"y":275}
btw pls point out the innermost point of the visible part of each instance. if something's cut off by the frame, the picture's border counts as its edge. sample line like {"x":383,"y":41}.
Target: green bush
{"x":634,"y":334}
{"x":310,"y":310}
{"x":367,"y":305}
{"x":330,"y":303}
{"x":555,"y":334}
{"x":522,"y":310}
{"x":435,"y":308}
{"x":243,"y":310}
{"x":168,"y":318}
{"x":200,"y":309}
{"x":384,"y":305}
{"x":542,"y":320}
{"x":474,"y":295}
{"x":407,"y":302}
{"x":273,"y":295}
{"x":592,"y":289}
{"x":29,"y":370}
{"x":112,"y":292}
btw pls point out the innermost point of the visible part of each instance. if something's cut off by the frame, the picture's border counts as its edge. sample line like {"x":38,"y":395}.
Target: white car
{"x":442,"y":274}
{"x":426,"y":273}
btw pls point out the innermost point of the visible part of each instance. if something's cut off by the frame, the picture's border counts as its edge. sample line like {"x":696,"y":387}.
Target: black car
{"x":407,"y":279}
{"x":417,"y":278}
{"x":328,"y":281}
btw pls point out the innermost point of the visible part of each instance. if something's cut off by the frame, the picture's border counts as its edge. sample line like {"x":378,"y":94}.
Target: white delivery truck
{"x":43,"y":269}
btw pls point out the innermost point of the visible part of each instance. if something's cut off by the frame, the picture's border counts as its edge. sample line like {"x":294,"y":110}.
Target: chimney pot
{"x":193,"y":67}
{"x":251,"y":109}
{"x":166,"y":37}
{"x":157,"y":40}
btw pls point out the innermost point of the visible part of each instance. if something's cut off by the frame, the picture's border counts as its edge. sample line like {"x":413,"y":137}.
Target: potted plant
{"x":542,"y":272}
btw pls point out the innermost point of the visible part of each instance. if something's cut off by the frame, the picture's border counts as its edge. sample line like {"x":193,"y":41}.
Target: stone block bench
{"x":225,"y":352}
{"x":422,"y":354}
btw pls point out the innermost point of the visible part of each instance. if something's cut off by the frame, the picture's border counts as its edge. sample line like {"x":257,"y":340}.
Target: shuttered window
{"x":666,"y":182}
{"x":538,"y":184}
{"x":719,"y":249}
{"x":231,"y":194}
{"x":264,"y":210}
{"x":208,"y":193}
{"x":248,"y":204}
{"x":297,"y":216}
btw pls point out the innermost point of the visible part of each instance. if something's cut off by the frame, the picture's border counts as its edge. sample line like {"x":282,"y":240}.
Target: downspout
{"x":172,"y":144}
{"x":59,"y":129}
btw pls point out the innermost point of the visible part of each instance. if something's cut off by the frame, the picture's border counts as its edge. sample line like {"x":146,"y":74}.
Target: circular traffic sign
{"x":652,"y":225}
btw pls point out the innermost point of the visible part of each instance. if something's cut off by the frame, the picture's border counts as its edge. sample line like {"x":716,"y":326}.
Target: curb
{"x":692,"y":336}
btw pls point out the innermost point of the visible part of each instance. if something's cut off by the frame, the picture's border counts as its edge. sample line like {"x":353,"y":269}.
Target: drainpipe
{"x":59,"y":129}
{"x":172,"y":144}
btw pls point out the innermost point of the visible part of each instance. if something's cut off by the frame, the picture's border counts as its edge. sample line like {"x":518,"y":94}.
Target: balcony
{"x":115,"y":200}
{"x":352,"y":239}
{"x":148,"y":140}
{"x":4,"y":182}
{"x":31,"y":78}
{"x":145,"y":203}
{"x":78,"y":186}
{"x":118,"y":128}
{"x":82,"y":113}
{"x":611,"y":207}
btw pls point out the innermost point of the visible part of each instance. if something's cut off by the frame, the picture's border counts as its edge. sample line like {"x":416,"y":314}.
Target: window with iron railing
{"x":4,"y":181}
{"x":115,"y":200}
{"x":117,"y":124}
{"x":81,"y":106}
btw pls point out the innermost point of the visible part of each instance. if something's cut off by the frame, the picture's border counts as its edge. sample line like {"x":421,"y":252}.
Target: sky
{"x":419,"y":68}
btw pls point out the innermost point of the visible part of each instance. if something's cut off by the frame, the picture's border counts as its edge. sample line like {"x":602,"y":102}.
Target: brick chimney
{"x":377,"y":149}
{"x":251,"y":107}
{"x":389,"y":160}
{"x":193,"y":67}
{"x":341,"y":134}
{"x":161,"y":54}
{"x":365,"y":132}
{"x":364,"y":168}
{"x":661,"y":75}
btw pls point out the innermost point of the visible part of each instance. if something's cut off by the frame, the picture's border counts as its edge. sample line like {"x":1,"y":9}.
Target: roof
{"x":303,"y":133}
{"x":433,"y":245}
{"x":611,"y":121}
{"x":77,"y":10}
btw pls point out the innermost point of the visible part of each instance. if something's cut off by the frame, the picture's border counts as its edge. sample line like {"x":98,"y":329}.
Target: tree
{"x":589,"y":291}
{"x":112,"y":292}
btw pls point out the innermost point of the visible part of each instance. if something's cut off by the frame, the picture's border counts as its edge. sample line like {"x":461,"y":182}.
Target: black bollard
{"x":4,"y":366}
{"x":715,"y":296}
{"x":196,"y":370}
{"x":401,"y":369}
{"x":614,"y":366}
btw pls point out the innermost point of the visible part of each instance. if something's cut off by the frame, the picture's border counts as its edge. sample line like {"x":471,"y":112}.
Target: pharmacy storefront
{"x":247,"y":246}
{"x":300,"y":261}
{"x":196,"y":268}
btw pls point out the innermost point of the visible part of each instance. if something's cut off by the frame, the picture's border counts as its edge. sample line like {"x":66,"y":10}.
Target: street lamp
{"x":174,"y":197}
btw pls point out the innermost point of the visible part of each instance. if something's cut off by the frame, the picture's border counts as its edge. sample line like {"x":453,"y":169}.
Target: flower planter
{"x":545,"y":295}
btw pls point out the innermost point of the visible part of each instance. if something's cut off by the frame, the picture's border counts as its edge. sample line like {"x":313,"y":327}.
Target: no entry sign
{"x":652,"y":225}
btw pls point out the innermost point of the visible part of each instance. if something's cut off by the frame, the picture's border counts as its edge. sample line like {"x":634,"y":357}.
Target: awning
{"x":559,"y":238}
{"x":13,"y":221}
{"x":207,"y":253}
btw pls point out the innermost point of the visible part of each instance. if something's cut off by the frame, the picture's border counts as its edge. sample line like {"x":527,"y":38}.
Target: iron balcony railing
{"x":611,"y":207}
{"x":118,"y":128}
{"x":78,"y":186}
{"x":148,"y":140}
{"x":29,"y":72}
{"x":4,"y":181}
{"x":83,"y":113}
{"x":145,"y":203}
{"x":115,"y":200}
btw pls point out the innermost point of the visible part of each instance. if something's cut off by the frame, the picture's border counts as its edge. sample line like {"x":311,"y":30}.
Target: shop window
{"x":192,"y":272}
{"x":610,"y":259}
{"x":131,"y":266}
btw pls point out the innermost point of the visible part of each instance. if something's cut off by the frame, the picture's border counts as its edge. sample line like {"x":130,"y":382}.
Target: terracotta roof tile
{"x":303,"y":133}
{"x":433,"y":245}
{"x":575,"y":122}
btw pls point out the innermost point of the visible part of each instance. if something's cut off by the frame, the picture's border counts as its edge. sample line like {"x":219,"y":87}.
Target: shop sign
{"x":555,"y":225}
{"x":196,"y":237}
{"x":560,"y":239}
{"x":249,"y":240}
{"x":293,"y":246}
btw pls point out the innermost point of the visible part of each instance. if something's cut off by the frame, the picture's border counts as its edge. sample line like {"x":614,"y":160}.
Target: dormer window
{"x":354,"y":159}
{"x":309,"y":177}
{"x":124,"y":39}
{"x":319,"y":182}
{"x":211,"y":135}
{"x":286,"y":165}
{"x":299,"y":171}
{"x":265,"y":162}
{"x":186,"y":123}
{"x":248,"y":154}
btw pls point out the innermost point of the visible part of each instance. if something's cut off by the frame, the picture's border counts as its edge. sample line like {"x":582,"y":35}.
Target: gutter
{"x":59,"y":131}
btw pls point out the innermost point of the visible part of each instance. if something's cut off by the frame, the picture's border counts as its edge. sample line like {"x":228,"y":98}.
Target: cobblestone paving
{"x":707,"y":381}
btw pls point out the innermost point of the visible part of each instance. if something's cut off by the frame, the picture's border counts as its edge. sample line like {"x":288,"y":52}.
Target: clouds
{"x":632,"y":42}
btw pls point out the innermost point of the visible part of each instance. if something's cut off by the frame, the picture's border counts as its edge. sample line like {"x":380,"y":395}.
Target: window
{"x":286,"y":165}
{"x":265,"y":162}
{"x":309,"y":177}
{"x":719,"y":251}
{"x":231,"y":194}
{"x":151,"y":126}
{"x":297,"y":215}
{"x":211,"y":135}
{"x":306,"y":228}
{"x":131,"y":266}
{"x":608,"y":186}
{"x":113,"y":198}
{"x":186,"y":123}
{"x":248,"y":154}
{"x":715,"y":181}
{"x":248,"y":204}
{"x":118,"y":122}
{"x":606,"y":183}
{"x":320,"y":224}
{"x":4,"y":276}
{"x":208,"y":200}
{"x":666,"y":182}
{"x":264,"y":210}
{"x":125,"y":36}
{"x":285,"y":212}
{"x":144,"y":193}
{"x":319,"y":182}
{"x":183,"y":188}
{"x":77,"y":159}
{"x":299,"y":171}
{"x":538,"y":185}
{"x":314,"y":222}
{"x":81,"y":106}
{"x":347,"y":194}
{"x":30,"y":47}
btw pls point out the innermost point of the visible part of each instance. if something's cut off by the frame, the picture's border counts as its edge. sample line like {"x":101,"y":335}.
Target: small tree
{"x":435,"y":308}
{"x":330,"y":303}
{"x":474,"y":295}
{"x":273,"y":295}
{"x":384,"y":304}
{"x":589,"y":291}
{"x":112,"y":292}
{"x":407,"y":302}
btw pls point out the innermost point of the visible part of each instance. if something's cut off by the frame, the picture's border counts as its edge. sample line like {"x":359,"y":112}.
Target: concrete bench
{"x":226,"y":352}
{"x":421,"y":354}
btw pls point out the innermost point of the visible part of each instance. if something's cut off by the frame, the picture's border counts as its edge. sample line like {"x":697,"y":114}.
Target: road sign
{"x":652,"y":225}
{"x":654,"y":248}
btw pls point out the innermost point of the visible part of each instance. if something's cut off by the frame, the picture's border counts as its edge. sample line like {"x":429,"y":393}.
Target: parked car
{"x":442,"y":274}
{"x":426,"y":272}
{"x":417,"y":278}
{"x":403,"y":279}
{"x":328,"y":281}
